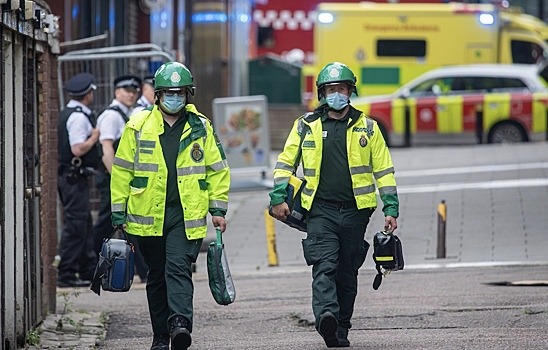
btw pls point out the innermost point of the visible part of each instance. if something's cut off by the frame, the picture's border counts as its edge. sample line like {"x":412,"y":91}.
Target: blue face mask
{"x":337,"y":101}
{"x":173,"y":104}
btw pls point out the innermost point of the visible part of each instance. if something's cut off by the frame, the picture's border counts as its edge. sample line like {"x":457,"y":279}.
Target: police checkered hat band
{"x":80,"y":84}
{"x":83,"y":92}
{"x":128,"y":82}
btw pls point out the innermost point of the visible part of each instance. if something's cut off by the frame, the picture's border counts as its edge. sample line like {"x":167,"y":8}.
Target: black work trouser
{"x":336,"y":249}
{"x":103,"y":226}
{"x":76,"y":243}
{"x":170,"y":290}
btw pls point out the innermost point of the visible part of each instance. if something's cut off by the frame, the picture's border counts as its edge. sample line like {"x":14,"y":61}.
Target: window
{"x":432,"y":87}
{"x":495,"y":83}
{"x":401,"y":48}
{"x":526,"y":52}
{"x":265,"y":37}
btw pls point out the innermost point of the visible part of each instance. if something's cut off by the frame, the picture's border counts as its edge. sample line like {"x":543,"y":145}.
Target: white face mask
{"x":337,"y":101}
{"x":173,"y":104}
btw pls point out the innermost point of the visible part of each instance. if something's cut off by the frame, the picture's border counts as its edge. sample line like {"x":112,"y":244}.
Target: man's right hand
{"x":281,"y":211}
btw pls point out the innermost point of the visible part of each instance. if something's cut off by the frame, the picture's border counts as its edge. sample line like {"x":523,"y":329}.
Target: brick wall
{"x":48,"y":109}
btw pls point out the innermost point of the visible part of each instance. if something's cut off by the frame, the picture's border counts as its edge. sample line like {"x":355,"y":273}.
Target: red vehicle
{"x":497,"y":103}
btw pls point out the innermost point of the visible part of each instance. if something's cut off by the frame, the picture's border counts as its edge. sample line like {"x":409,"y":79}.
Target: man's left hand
{"x":219,"y":222}
{"x":390,"y":224}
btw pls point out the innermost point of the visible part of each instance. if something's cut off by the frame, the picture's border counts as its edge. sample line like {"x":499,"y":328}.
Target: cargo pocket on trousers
{"x":195,"y":251}
{"x":360,"y":257}
{"x":309,"y":251}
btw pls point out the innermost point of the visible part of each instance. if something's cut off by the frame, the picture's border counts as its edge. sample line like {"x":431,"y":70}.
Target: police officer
{"x":147,"y":95}
{"x":77,"y":156}
{"x":343,"y":153}
{"x":111,"y":123}
{"x":169,"y":171}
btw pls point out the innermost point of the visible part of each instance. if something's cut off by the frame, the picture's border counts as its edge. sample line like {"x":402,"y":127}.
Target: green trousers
{"x":336,"y":249}
{"x":170,"y":290}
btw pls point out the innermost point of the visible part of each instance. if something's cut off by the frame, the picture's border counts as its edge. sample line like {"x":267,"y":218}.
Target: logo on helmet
{"x":175,"y":77}
{"x":334,"y":73}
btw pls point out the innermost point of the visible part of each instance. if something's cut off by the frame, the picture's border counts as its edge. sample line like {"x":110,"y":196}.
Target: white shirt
{"x":78,"y":125}
{"x":141,"y":104}
{"x":110,"y":123}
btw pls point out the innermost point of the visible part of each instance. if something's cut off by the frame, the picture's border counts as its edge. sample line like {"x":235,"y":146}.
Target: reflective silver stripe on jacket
{"x":118,"y":207}
{"x":309,"y":172}
{"x":388,"y":190}
{"x":364,"y":190}
{"x":284,"y":166}
{"x":362,"y":169}
{"x":142,"y":220}
{"x":219,"y":165}
{"x":370,"y":124}
{"x":122,"y":163}
{"x":147,"y":167}
{"x":195,"y":223}
{"x":218,"y":204}
{"x":380,"y":174}
{"x":281,"y":180}
{"x":191,"y":170}
{"x":307,"y":191}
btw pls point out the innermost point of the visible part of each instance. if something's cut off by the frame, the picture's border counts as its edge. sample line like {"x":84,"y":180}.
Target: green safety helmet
{"x":172,"y":75}
{"x":334,"y":73}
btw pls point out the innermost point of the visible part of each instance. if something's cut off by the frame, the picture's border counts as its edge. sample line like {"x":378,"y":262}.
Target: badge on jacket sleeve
{"x":363,"y":141}
{"x":196,"y":153}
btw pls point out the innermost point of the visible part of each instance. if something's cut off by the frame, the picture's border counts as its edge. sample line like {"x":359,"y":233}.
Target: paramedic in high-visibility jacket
{"x":169,"y":172}
{"x":343,"y":155}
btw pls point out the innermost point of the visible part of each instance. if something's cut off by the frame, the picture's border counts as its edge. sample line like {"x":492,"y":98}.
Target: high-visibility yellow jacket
{"x":368,"y":160}
{"x":139,"y":175}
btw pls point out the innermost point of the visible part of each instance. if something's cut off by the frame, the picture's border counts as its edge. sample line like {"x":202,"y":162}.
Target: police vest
{"x":90,"y":159}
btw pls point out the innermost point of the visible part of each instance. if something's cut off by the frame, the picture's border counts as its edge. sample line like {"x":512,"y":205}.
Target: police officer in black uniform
{"x":78,"y":157}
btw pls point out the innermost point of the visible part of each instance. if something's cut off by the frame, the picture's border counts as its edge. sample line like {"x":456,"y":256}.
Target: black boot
{"x":180,"y":333}
{"x":342,"y":335}
{"x":160,"y":342}
{"x":327,"y":326}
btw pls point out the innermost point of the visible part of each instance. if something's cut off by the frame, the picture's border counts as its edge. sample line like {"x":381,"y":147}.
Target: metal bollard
{"x":442,"y":219}
{"x":479,"y":124}
{"x":407,"y":121}
{"x":270,"y":239}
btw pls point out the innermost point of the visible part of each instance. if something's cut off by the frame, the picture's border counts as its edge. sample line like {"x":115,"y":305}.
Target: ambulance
{"x":387,"y":44}
{"x":463,"y":104}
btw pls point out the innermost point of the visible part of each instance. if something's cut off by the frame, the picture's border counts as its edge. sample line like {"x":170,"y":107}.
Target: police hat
{"x":128,"y":82}
{"x":80,"y":84}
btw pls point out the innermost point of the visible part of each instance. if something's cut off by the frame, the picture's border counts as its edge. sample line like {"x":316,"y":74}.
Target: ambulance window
{"x":401,"y":48}
{"x":526,"y":52}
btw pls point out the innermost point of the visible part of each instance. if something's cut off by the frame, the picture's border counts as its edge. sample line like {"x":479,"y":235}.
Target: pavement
{"x":488,"y":292}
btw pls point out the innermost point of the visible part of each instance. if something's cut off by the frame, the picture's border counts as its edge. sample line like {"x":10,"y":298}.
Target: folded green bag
{"x":220,"y":279}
